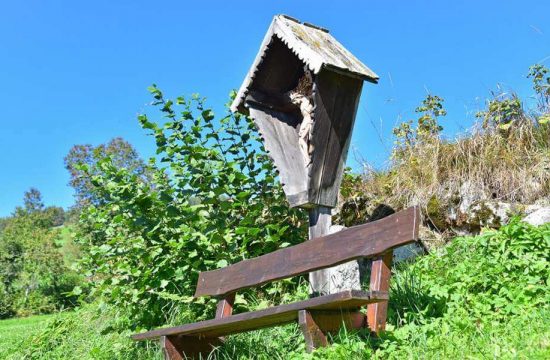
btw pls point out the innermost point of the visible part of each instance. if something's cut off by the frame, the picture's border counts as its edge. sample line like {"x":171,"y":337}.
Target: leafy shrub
{"x":502,"y":112}
{"x":494,"y":275}
{"x":426,"y":129}
{"x":540,"y":76}
{"x":212,"y":200}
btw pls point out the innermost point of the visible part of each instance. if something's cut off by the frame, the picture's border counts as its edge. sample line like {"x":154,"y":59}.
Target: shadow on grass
{"x":410,"y":301}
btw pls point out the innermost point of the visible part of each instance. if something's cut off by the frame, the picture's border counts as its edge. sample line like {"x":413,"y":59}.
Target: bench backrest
{"x":362,"y":241}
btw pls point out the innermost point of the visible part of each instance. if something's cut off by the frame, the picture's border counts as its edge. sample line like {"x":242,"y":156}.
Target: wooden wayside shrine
{"x":317,"y":316}
{"x":302,"y":91}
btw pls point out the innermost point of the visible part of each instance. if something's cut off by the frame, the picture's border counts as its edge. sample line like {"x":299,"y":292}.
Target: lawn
{"x":12,"y":331}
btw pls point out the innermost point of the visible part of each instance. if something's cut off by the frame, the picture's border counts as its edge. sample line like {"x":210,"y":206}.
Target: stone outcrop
{"x":539,"y":216}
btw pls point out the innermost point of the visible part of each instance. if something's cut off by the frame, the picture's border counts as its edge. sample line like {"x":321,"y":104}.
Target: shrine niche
{"x":302,"y":92}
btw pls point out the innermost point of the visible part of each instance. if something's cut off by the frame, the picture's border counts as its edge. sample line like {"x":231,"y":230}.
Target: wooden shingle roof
{"x":311,"y":44}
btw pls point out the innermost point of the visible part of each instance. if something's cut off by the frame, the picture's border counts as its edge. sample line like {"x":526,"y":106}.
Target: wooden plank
{"x":347,"y":91}
{"x":170,"y":348}
{"x":280,"y":138}
{"x":323,"y":99}
{"x":315,"y":325}
{"x":313,"y":335}
{"x":282,"y":314}
{"x":225,"y":306}
{"x":361,"y":241}
{"x":379,"y":281}
{"x":187,"y":347}
{"x":332,"y":321}
{"x":336,"y":98}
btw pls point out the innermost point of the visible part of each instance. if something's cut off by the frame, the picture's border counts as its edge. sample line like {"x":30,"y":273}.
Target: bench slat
{"x":277,"y":315}
{"x":361,"y":241}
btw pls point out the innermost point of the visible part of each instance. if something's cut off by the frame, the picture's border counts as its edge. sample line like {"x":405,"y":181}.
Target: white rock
{"x":538,"y":217}
{"x":340,"y":277}
{"x":407,"y":252}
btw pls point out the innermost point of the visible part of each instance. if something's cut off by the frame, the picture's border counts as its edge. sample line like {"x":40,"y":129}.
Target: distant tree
{"x":44,"y":217}
{"x":122,"y":154}
{"x":33,"y":275}
{"x":3,"y":222}
{"x":55,"y":214}
{"x":33,"y":200}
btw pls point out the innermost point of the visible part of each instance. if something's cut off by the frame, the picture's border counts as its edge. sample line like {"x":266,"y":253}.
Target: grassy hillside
{"x":480,"y":297}
{"x":13,"y":331}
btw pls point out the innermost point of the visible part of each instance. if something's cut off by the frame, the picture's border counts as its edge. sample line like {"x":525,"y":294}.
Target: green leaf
{"x":221,"y":263}
{"x":77,"y":290}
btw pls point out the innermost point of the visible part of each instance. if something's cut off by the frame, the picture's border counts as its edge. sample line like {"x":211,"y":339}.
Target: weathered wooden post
{"x":302,"y":92}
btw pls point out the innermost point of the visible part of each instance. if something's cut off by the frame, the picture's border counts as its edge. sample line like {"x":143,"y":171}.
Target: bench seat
{"x":277,"y":315}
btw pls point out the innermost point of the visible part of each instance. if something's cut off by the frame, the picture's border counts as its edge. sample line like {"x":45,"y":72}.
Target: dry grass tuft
{"x":485,"y":164}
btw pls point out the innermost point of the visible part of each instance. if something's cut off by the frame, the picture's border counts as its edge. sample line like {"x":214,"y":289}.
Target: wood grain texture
{"x":313,"y":45}
{"x":313,"y":335}
{"x":225,"y":306}
{"x":333,"y":321}
{"x":336,"y":98}
{"x":379,"y":281}
{"x":361,"y":241}
{"x":186,"y":347}
{"x":316,"y":325}
{"x":277,"y":315}
{"x":280,"y":138}
{"x":320,"y":219}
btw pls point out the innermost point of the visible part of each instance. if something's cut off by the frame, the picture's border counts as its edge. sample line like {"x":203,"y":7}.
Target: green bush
{"x":212,"y":200}
{"x":497,"y":274}
{"x":33,"y":276}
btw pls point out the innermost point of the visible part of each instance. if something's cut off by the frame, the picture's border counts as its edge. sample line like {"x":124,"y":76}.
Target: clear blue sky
{"x":76,"y":72}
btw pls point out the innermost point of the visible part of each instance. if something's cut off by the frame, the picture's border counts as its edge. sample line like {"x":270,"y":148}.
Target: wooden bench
{"x":317,"y":316}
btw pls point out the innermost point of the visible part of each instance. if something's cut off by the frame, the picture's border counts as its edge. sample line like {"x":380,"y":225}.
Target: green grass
{"x":483,"y":297}
{"x":13,"y":331}
{"x":92,"y":333}
{"x":64,"y":235}
{"x":65,"y":241}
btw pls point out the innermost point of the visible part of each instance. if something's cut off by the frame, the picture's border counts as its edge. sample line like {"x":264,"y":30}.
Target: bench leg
{"x":379,"y":281}
{"x":316,"y":325}
{"x":313,"y":334}
{"x":187,"y":347}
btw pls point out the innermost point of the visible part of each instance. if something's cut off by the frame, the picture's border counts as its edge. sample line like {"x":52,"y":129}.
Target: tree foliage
{"x":33,"y":200}
{"x":33,"y":275}
{"x":122,"y":154}
{"x":212,"y":200}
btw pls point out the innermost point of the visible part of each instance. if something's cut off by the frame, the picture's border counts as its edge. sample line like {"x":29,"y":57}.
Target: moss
{"x":485,"y":216}
{"x":436,"y":212}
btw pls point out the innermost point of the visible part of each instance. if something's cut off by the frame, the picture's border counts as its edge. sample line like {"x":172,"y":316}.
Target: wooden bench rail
{"x":361,"y":241}
{"x":277,"y":315}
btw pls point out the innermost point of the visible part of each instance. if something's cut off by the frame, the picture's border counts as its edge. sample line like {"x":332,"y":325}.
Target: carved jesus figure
{"x":302,"y":96}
